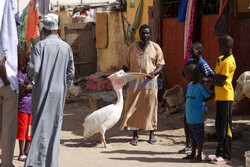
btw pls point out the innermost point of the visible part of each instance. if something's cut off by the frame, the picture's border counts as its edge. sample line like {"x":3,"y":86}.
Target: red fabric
{"x":192,"y":28}
{"x":223,"y":4}
{"x":32,"y":30}
{"x":221,"y":25}
{"x":24,"y":123}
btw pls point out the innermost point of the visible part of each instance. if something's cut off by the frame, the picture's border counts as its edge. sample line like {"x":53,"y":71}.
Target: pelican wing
{"x":94,"y":121}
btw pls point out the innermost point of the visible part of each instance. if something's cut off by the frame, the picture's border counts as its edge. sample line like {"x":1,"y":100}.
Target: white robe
{"x":8,"y":42}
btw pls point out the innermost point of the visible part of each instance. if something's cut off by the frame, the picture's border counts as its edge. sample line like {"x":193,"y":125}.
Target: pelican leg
{"x":103,"y":140}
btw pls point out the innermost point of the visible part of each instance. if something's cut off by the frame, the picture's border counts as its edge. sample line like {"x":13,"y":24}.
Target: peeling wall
{"x":112,"y":57}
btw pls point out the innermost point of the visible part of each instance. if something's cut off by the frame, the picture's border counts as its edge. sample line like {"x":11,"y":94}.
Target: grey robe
{"x":51,"y":69}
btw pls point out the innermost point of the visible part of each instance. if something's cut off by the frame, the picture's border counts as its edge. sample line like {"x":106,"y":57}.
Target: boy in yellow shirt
{"x":224,"y":97}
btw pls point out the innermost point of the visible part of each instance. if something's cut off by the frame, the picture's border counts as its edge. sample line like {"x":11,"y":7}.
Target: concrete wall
{"x":112,"y":57}
{"x":63,"y":19}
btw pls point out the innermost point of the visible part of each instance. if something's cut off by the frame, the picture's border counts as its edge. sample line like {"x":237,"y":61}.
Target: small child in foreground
{"x":195,"y":95}
{"x":196,"y":50}
{"x":24,"y":116}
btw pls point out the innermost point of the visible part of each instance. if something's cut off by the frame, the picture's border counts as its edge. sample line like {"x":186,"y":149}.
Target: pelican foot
{"x":108,"y":146}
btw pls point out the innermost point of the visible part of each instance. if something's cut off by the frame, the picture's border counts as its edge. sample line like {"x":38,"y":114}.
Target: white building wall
{"x":21,"y":4}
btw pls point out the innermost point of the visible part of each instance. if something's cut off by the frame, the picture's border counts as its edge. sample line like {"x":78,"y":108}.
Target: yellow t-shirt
{"x":225,"y":67}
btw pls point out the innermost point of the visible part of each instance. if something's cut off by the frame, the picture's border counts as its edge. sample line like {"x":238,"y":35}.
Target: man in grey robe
{"x":51,"y":70}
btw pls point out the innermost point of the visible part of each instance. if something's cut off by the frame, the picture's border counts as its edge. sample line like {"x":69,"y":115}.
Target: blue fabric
{"x":195,"y":95}
{"x":18,"y":20}
{"x":203,"y":67}
{"x":182,"y":10}
{"x":196,"y":132}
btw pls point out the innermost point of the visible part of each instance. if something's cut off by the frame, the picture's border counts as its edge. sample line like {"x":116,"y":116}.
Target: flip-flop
{"x":220,"y":160}
{"x":134,"y":142}
{"x":22,"y":158}
{"x":210,"y":157}
{"x":152,"y":141}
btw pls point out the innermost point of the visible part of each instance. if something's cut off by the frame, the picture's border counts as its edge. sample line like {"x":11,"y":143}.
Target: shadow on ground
{"x":75,"y":113}
{"x":137,"y":152}
{"x":145,"y":159}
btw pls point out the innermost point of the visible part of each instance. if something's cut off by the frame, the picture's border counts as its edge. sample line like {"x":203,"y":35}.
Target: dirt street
{"x":170,"y":137}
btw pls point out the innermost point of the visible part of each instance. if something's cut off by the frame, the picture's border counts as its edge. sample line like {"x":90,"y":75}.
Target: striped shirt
{"x":202,"y":66}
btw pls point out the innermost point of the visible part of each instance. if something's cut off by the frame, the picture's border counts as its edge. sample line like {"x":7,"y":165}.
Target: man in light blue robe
{"x":51,"y":70}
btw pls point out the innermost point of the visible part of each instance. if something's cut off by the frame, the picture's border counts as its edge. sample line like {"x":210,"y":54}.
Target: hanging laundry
{"x":2,"y":3}
{"x":43,"y":6}
{"x":182,"y":10}
{"x":136,"y":22}
{"x":196,"y":37}
{"x":9,"y":41}
{"x":21,"y":29}
{"x":220,"y":27}
{"x":192,"y":31}
{"x":32,"y":30}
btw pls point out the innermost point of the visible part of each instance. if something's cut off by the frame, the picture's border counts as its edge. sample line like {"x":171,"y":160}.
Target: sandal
{"x":22,"y":158}
{"x":134,"y":142}
{"x":210,"y":157}
{"x":220,"y":160}
{"x":152,"y":141}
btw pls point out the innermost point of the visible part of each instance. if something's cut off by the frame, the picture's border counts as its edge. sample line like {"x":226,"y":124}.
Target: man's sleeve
{"x":160,"y":57}
{"x":127,"y":59}
{"x":207,"y":70}
{"x":34,"y":64}
{"x":70,"y":68}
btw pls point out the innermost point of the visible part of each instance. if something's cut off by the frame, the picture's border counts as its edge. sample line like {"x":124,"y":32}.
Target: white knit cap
{"x":50,"y":21}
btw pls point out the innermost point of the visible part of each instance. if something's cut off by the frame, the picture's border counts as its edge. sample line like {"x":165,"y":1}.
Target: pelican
{"x":105,"y":118}
{"x":242,"y":88}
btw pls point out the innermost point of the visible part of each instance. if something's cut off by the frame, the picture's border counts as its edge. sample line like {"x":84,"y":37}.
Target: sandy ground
{"x":170,"y":136}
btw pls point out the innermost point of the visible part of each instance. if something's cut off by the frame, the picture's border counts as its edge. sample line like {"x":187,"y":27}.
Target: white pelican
{"x":106,"y":117}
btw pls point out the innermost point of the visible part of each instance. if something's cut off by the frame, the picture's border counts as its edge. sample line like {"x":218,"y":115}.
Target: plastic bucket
{"x":247,"y":157}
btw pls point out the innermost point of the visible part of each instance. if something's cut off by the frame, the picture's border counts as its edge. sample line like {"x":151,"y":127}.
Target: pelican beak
{"x":110,"y":76}
{"x":133,"y":76}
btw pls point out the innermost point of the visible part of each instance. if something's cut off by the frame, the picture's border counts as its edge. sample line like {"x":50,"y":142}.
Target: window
{"x":170,"y":8}
{"x":242,"y":8}
{"x":207,"y":7}
{"x":210,"y":7}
